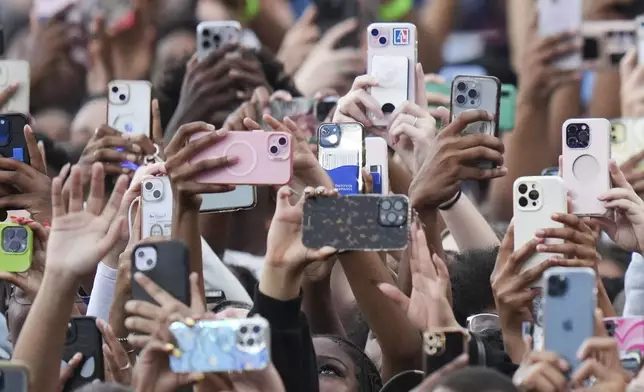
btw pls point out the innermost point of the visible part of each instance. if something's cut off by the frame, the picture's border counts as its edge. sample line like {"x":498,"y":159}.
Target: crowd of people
{"x":85,"y":316}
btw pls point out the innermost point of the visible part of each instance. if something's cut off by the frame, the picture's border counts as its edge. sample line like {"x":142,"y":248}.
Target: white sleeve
{"x":218,"y":277}
{"x":100,"y":300}
{"x":634,"y":287}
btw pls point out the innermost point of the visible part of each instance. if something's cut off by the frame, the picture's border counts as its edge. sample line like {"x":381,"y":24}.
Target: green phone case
{"x":508,"y":107}
{"x":16,"y":246}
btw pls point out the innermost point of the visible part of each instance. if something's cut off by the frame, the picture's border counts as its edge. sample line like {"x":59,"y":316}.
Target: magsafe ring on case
{"x":585,"y":168}
{"x":241,"y":149}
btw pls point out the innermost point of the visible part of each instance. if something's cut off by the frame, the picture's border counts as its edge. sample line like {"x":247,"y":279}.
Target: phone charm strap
{"x":153,"y":158}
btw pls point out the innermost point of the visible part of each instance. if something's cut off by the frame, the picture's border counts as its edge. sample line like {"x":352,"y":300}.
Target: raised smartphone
{"x":377,"y":163}
{"x":626,"y":139}
{"x":628,"y":332}
{"x":16,"y":247}
{"x":557,"y":17}
{"x":586,"y":154}
{"x":535,"y":199}
{"x":639,"y":30}
{"x":331,"y":12}
{"x":243,"y":197}
{"x":12,"y":137}
{"x":15,"y":71}
{"x":391,"y":59}
{"x":507,"y":107}
{"x":341,"y":154}
{"x":83,"y":336}
{"x":564,"y":330}
{"x":357,"y":222}
{"x":212,"y":35}
{"x":606,"y":42}
{"x":167,"y":263}
{"x":226,"y":345}
{"x":156,"y":207}
{"x":129,"y":106}
{"x":13,"y":377}
{"x":263,"y":158}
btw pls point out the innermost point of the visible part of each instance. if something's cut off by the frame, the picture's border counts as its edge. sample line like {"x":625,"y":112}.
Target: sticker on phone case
{"x":401,"y":36}
{"x":345,"y":173}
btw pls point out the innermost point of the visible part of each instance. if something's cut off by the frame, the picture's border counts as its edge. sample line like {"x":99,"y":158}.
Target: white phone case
{"x":129,"y":106}
{"x":532,"y":214}
{"x":391,"y":58}
{"x":156,"y":207}
{"x":15,"y":71}
{"x":639,"y":29}
{"x":377,"y":161}
{"x":212,"y":35}
{"x":585,"y":163}
{"x":559,"y":16}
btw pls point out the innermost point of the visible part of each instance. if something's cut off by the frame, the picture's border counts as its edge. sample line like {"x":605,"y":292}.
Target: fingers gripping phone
{"x":166,"y":263}
{"x":16,"y":247}
{"x":567,"y":289}
{"x":12,"y":137}
{"x":12,"y":72}
{"x":212,"y":35}
{"x":586,"y":155}
{"x":556,"y":17}
{"x":626,"y":139}
{"x":391,"y":60}
{"x":377,"y":163}
{"x":13,"y":378}
{"x":535,"y":199}
{"x":129,"y":107}
{"x":84,"y":337}
{"x":156,"y":207}
{"x":341,"y":154}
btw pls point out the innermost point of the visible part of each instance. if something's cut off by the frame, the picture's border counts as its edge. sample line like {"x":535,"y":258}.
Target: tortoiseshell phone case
{"x":84,"y":337}
{"x":357,"y":222}
{"x":228,"y":345}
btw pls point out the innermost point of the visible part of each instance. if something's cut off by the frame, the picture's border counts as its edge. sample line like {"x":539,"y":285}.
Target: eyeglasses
{"x":478,"y":323}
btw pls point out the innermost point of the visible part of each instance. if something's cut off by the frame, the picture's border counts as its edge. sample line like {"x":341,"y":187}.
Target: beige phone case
{"x":606,"y":42}
{"x":212,"y":35}
{"x":586,"y":153}
{"x":129,"y":106}
{"x":156,"y":207}
{"x":559,"y":16}
{"x":392,"y":57}
{"x":535,"y":199}
{"x":15,"y":71}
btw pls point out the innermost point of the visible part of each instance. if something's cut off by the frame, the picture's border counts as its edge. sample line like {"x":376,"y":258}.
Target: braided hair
{"x":367,"y":375}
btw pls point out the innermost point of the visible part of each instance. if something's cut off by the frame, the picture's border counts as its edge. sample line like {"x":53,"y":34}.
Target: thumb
{"x":308,"y":17}
{"x":394,"y":293}
{"x":628,"y":64}
{"x":320,"y":254}
{"x":421,"y":93}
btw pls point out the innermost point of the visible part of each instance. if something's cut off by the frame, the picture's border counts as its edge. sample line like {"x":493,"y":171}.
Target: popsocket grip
{"x":585,"y":168}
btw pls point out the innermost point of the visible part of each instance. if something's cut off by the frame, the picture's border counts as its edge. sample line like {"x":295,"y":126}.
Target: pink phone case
{"x":628,"y":332}
{"x":263,"y":158}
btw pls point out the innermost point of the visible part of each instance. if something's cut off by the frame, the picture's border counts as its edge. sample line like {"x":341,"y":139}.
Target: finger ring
{"x":126,"y":366}
{"x":414,"y":123}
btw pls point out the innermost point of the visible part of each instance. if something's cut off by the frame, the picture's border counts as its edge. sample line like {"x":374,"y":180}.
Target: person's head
{"x":88,"y":119}
{"x":54,"y":123}
{"x":470,"y":278}
{"x":344,"y":367}
{"x":475,"y":379}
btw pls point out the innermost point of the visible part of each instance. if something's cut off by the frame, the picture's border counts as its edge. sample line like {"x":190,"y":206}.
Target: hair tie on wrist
{"x":451,"y":202}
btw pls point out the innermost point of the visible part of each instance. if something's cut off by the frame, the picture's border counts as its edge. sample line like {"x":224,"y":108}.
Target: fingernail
{"x":189,"y":322}
{"x":221,"y":132}
{"x":176,"y":353}
{"x":210,"y":127}
{"x":539,"y":233}
{"x":199,"y":377}
{"x":78,"y":356}
{"x":541,"y":248}
{"x":232,"y":159}
{"x":555,"y":216}
{"x":131,"y":157}
{"x":169,"y":347}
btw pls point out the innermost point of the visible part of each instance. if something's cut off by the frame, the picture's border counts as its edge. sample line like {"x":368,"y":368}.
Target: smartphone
{"x":441,"y":348}
{"x":507,"y":107}
{"x":156,"y":207}
{"x":550,"y":171}
{"x":129,"y":106}
{"x":263,"y":158}
{"x":16,"y":247}
{"x":586,"y":154}
{"x":331,"y":12}
{"x":12,"y":137}
{"x":13,"y":378}
{"x":83,"y":336}
{"x":167,"y":263}
{"x":341,"y":154}
{"x":639,"y":28}
{"x":605,"y":43}
{"x":357,"y":222}
{"x":227,"y":345}
{"x":212,"y":35}
{"x":377,"y":163}
{"x":301,"y":110}
{"x":535,"y":199}
{"x":557,"y":17}
{"x":391,"y":60}
{"x":243,"y":197}
{"x":628,"y":332}
{"x":567,"y":289}
{"x":15,"y":71}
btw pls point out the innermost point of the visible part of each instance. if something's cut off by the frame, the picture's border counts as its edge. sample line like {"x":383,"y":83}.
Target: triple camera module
{"x":557,"y":285}
{"x":529,"y":196}
{"x":392,"y":211}
{"x":14,"y":240}
{"x":577,"y":136}
{"x":210,"y":39}
{"x":468,"y":94}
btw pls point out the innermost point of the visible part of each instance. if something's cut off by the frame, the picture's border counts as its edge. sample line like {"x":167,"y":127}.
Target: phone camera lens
{"x":572,"y":142}
{"x":523,"y":202}
{"x":572,"y":128}
{"x":21,"y":233}
{"x":557,"y":286}
{"x":282,"y":141}
{"x":9,"y":234}
{"x":391,"y":217}
{"x":399,"y":205}
{"x":156,"y":194}
{"x":274,"y":150}
{"x":325,"y":131}
{"x":243,"y":329}
{"x":206,"y":32}
{"x":523,"y":188}
{"x":385,"y":205}
{"x":472,"y":93}
{"x":14,"y":246}
{"x":149,"y":186}
{"x":374,"y":32}
{"x":115,"y":89}
{"x":217,"y":39}
{"x":149,"y":262}
{"x":382,"y":40}
{"x":461,"y":86}
{"x":533,"y":195}
{"x":122,"y":97}
{"x":583,"y":137}
{"x":460,"y":99}
{"x":250,"y":342}
{"x":206,"y":44}
{"x":256,"y":329}
{"x":140,"y":254}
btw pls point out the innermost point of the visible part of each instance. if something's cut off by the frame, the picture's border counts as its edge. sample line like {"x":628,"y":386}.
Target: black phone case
{"x":13,"y":378}
{"x":84,"y":337}
{"x":441,"y":348}
{"x":16,"y":142}
{"x":352,"y":222}
{"x":171,"y":272}
{"x":331,"y":12}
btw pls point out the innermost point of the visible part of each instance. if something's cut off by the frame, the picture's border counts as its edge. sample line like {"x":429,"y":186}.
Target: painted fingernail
{"x":168,"y":346}
{"x":189,"y":322}
{"x":221,"y":132}
{"x":232,"y":159}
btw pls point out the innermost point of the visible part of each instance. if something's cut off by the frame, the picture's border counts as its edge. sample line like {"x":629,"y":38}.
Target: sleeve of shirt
{"x":634,"y":287}
{"x":102,"y":295}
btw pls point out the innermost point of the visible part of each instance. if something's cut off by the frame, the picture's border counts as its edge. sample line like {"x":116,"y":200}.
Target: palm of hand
{"x":428,"y":306}
{"x":629,"y":231}
{"x":285,"y":237}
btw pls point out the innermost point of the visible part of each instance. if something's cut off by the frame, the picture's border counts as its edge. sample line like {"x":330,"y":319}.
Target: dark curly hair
{"x":367,"y":375}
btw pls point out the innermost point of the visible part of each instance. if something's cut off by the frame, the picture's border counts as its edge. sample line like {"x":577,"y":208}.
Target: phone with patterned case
{"x":586,"y":155}
{"x":377,"y":163}
{"x":341,"y":154}
{"x":535,"y":199}
{"x":226,"y":345}
{"x":626,"y":139}
{"x":263,"y":158}
{"x":15,"y":71}
{"x":12,"y":137}
{"x":391,"y":60}
{"x":16,"y":247}
{"x":166,"y":263}
{"x":83,"y":336}
{"x":156,"y":207}
{"x":628,"y":332}
{"x":129,"y":106}
{"x":212,"y":35}
{"x":357,"y":222}
{"x":507,"y":107}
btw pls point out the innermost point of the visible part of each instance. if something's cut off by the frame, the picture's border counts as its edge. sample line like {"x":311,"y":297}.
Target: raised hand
{"x":299,"y":41}
{"x":355,"y":104}
{"x":541,"y":371}
{"x":117,"y":362}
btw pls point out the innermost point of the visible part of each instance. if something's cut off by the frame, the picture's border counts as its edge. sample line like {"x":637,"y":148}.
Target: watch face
{"x":434,"y":343}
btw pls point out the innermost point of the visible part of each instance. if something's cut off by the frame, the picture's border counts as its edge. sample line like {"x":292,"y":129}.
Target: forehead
{"x":328,"y":348}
